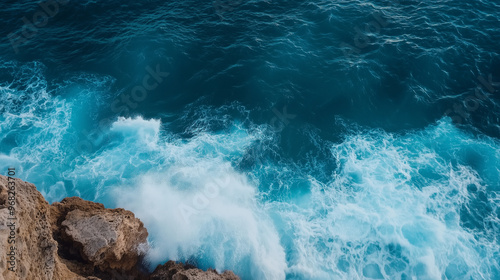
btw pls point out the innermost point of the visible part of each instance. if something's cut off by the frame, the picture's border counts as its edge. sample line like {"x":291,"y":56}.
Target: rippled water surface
{"x":277,"y":139}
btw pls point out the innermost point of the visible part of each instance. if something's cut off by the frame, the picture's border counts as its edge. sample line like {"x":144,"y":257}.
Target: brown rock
{"x":178,"y":271}
{"x":36,"y":250}
{"x":78,"y":240}
{"x":107,"y":238}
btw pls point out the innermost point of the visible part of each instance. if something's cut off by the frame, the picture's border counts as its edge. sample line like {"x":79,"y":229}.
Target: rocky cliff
{"x":76,"y":239}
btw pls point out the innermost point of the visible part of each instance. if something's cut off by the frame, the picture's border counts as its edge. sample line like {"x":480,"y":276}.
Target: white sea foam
{"x":420,"y":205}
{"x":381,"y":219}
{"x":198,"y":205}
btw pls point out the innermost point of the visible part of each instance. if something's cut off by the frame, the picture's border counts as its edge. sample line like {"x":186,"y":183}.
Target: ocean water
{"x":278,"y":139}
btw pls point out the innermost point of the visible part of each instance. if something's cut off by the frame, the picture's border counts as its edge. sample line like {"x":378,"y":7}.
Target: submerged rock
{"x":76,"y":239}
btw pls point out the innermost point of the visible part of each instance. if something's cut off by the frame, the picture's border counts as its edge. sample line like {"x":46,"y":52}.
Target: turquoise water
{"x":280,"y":140}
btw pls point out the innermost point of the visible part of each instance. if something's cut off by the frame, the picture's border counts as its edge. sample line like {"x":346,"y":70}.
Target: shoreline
{"x":77,"y":239}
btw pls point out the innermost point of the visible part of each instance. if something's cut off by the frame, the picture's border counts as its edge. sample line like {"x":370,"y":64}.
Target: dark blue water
{"x":278,"y":139}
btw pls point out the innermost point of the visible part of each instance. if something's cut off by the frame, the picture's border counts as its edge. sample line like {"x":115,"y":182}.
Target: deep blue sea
{"x":279,"y":139}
